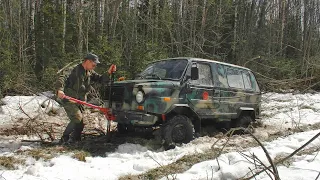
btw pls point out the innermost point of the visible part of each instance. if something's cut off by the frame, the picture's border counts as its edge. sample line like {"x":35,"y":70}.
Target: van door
{"x":200,"y":93}
{"x":238,"y":94}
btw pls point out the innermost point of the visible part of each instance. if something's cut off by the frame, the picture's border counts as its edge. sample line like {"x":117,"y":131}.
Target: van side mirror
{"x":194,"y":71}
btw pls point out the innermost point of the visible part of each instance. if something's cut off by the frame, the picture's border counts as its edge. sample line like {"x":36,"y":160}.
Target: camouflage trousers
{"x":75,"y":126}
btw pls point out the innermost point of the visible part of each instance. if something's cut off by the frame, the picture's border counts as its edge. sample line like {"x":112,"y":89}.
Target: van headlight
{"x":139,"y":96}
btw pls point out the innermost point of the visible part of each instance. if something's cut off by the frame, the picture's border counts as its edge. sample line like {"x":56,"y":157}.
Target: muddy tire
{"x":177,"y":130}
{"x":122,"y":128}
{"x":242,"y":121}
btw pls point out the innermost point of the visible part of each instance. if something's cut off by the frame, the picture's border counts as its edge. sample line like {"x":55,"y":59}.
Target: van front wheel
{"x":179,"y":129}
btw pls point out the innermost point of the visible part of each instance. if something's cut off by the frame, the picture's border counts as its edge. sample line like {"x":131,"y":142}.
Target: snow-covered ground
{"x":281,"y":114}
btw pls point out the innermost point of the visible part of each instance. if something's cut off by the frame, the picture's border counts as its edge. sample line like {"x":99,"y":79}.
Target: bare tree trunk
{"x":306,"y":20}
{"x":203,"y":24}
{"x":235,"y":26}
{"x":283,"y":19}
{"x":178,"y":27}
{"x":64,"y":25}
{"x":135,"y":22}
{"x":23,"y":24}
{"x":115,"y":17}
{"x":107,"y":18}
{"x":101,"y":17}
{"x":96,"y":17}
{"x":20,"y":35}
{"x":32,"y":30}
{"x":80,"y":30}
{"x":193,"y":30}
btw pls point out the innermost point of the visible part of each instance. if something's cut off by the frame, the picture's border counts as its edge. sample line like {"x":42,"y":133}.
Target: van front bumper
{"x":135,"y":118}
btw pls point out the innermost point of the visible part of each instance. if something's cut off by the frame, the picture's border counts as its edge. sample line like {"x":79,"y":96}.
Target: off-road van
{"x":176,"y":94}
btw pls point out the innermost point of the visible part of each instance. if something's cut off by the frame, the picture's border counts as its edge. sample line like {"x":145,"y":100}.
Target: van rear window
{"x":247,"y":80}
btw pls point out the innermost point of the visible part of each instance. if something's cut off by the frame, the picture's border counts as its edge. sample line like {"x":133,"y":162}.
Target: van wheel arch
{"x":243,"y":121}
{"x":188,"y":112}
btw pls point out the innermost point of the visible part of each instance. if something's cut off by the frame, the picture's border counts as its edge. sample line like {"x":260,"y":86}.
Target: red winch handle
{"x":105,"y":111}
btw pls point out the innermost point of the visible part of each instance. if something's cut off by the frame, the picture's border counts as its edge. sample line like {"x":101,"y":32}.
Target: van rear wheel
{"x":241,"y":122}
{"x":178,"y":130}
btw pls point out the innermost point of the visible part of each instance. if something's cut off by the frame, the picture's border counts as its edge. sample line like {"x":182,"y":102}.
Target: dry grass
{"x":37,"y":154}
{"x":10,"y":162}
{"x":45,"y":153}
{"x":179,"y":166}
{"x":81,"y":155}
{"x":289,"y":161}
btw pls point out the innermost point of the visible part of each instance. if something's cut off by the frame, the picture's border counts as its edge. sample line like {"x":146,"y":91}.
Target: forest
{"x":278,"y":39}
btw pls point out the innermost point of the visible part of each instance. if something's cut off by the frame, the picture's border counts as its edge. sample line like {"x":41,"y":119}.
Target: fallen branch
{"x":255,"y":159}
{"x":318,"y":176}
{"x":286,"y":158}
{"x":274,"y":168}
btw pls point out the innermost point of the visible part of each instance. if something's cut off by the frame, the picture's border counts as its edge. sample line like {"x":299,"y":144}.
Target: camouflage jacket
{"x":76,"y":81}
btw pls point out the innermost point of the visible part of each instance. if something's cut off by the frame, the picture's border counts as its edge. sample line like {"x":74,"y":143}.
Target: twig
{"x":254,"y":160}
{"x":286,"y":158}
{"x":252,"y":172}
{"x":275,"y":171}
{"x":261,"y":163}
{"x":20,"y":107}
{"x":100,"y":131}
{"x":51,"y":136}
{"x":2,"y":176}
{"x":316,"y":155}
{"x":230,"y":132}
{"x":66,"y":66}
{"x":29,"y":140}
{"x":161,"y":166}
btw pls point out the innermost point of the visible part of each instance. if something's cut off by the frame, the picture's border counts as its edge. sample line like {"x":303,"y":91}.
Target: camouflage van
{"x":177,"y":94}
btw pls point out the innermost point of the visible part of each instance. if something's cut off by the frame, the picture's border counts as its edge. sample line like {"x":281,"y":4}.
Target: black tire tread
{"x":168,"y":127}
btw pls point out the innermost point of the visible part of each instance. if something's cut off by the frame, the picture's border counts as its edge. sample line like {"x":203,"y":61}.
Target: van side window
{"x":234,"y":77}
{"x":219,"y":75}
{"x":247,"y":80}
{"x":254,"y":82}
{"x":205,"y":75}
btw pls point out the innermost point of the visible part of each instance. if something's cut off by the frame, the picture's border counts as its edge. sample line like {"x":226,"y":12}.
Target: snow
{"x":234,"y":166}
{"x":281,"y":113}
{"x":289,"y":110}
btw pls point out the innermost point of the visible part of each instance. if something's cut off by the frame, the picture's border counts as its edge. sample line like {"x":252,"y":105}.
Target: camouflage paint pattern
{"x":214,"y":101}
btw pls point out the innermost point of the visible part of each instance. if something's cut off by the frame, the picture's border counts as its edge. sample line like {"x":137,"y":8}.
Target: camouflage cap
{"x":92,"y":57}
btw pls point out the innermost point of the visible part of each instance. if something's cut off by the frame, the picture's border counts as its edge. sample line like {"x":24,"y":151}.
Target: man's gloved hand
{"x":112,"y":68}
{"x":60,"y":94}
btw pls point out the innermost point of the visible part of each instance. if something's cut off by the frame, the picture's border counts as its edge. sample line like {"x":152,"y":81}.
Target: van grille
{"x":117,"y":93}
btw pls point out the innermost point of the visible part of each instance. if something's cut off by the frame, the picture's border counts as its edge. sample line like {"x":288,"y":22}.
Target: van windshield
{"x":167,"y":69}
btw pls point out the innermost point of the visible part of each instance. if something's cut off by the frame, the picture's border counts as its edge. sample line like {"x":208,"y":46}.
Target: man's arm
{"x":63,"y":81}
{"x":60,"y":84}
{"x":95,"y":76}
{"x":103,"y":79}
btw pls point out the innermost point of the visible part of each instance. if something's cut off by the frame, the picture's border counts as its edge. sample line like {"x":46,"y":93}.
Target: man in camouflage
{"x":76,"y":82}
